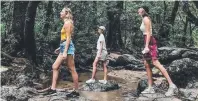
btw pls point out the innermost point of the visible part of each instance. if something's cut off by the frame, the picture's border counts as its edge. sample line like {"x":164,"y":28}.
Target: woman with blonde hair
{"x":66,"y":52}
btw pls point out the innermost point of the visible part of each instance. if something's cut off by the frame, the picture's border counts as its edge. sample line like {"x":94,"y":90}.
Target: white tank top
{"x":142,"y":28}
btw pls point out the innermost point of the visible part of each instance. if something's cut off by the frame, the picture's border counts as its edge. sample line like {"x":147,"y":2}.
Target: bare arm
{"x":101,"y":45}
{"x":147,"y":30}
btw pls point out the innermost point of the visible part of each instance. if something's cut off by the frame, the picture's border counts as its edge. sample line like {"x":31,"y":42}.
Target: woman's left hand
{"x":64,"y":55}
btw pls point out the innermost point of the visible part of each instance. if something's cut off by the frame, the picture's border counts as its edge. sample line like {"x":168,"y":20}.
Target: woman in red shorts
{"x":150,"y":52}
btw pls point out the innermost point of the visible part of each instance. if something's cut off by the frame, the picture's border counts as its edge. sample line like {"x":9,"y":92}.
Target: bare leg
{"x":71,"y":66}
{"x":105,"y":69}
{"x":149,"y":73}
{"x":94,"y":67}
{"x":157,"y":64}
{"x":55,"y":68}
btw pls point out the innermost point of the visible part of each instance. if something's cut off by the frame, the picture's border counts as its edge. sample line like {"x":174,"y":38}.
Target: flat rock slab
{"x":155,"y":95}
{"x":99,"y":87}
{"x":59,"y":96}
{"x":168,"y":99}
{"x":144,"y":99}
{"x":189,"y":94}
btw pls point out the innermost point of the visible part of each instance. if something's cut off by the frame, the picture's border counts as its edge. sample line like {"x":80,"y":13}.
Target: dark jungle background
{"x":30,"y":32}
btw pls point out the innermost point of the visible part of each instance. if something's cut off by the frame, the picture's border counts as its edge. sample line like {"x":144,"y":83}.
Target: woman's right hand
{"x":146,"y":50}
{"x":57,"y":51}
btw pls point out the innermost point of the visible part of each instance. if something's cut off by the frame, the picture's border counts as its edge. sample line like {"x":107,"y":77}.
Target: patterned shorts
{"x":152,"y":54}
{"x":103,"y":55}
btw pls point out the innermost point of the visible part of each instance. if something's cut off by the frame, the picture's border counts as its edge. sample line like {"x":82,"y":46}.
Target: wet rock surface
{"x":59,"y":96}
{"x":99,"y":87}
{"x":128,"y":92}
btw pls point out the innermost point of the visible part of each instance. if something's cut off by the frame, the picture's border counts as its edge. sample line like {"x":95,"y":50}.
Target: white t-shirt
{"x":101,"y":39}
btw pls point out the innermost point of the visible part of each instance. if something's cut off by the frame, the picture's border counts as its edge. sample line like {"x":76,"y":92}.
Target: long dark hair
{"x":146,"y":9}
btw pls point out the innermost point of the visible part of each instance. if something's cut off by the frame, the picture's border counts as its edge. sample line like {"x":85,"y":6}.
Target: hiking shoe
{"x":103,"y":81}
{"x":148,"y":91}
{"x":73,"y":94}
{"x":50,"y":91}
{"x":172,"y":90}
{"x":91,"y":81}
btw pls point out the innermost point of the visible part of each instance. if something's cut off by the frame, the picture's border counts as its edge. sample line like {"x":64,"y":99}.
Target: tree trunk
{"x":48,"y":17}
{"x":165,"y":28}
{"x":196,"y":4}
{"x":114,"y":40}
{"x":17,"y":26}
{"x":95,"y":23}
{"x":165,"y":8}
{"x":174,"y":12}
{"x":125,"y":21}
{"x":8,"y":20}
{"x":30,"y":46}
{"x":185,"y":31}
{"x":191,"y":36}
{"x":192,"y":18}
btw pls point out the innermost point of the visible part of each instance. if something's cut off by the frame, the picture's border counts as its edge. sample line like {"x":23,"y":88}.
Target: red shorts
{"x":152,"y":54}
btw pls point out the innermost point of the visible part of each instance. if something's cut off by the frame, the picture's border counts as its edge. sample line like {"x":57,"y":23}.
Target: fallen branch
{"x":7,"y":56}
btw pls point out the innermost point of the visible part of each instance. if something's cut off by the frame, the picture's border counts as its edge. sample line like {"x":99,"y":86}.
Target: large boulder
{"x":99,"y":87}
{"x":183,"y":71}
{"x":12,"y":77}
{"x":142,"y":84}
{"x":192,"y":84}
{"x":159,"y":95}
{"x":191,"y":54}
{"x":126,"y":59}
{"x":160,"y":87}
{"x":169,"y":54}
{"x":12,"y":93}
{"x":189,"y":94}
{"x":8,"y":77}
{"x":23,"y":80}
{"x":85,"y":58}
{"x":135,"y":67}
{"x":17,"y":71}
{"x":112,"y":57}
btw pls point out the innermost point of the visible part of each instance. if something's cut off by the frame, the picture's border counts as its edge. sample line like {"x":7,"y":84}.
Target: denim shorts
{"x":70,"y":50}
